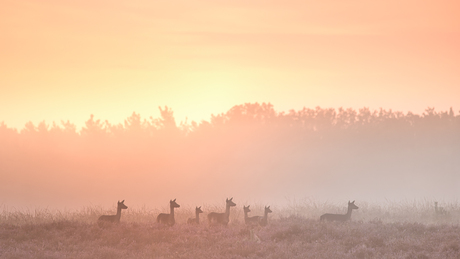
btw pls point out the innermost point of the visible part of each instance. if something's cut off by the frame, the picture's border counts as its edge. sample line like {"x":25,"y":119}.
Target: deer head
{"x":246,"y":209}
{"x":352,"y":205}
{"x":173,"y":204}
{"x":122,"y":205}
{"x":230,"y":202}
{"x":267,"y":209}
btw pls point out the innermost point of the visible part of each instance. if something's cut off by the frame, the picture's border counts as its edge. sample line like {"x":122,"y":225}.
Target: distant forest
{"x":252,"y":146}
{"x":311,"y":123}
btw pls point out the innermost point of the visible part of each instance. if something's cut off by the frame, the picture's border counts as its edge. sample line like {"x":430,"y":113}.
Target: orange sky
{"x":65,"y":60}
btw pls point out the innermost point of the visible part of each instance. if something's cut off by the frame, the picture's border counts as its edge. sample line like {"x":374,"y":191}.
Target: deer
{"x":222,"y":218}
{"x":250,"y":220}
{"x":195,"y":220}
{"x":439,"y":210}
{"x":264,"y":221}
{"x":340,"y":217}
{"x":114,"y":218}
{"x":166,"y":218}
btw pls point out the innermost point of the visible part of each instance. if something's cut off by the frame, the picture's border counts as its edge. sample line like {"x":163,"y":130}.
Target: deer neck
{"x":245,"y":215}
{"x":349,"y":212}
{"x":171,"y":211}
{"x":197,"y":216}
{"x":118,"y":216}
{"x":227,"y":210}
{"x":265,"y":214}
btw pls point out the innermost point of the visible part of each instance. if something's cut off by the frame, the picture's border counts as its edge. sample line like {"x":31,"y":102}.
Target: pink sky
{"x":65,"y":60}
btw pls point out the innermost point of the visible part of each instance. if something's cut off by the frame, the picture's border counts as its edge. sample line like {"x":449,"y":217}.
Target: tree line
{"x":295,"y":151}
{"x":263,"y":116}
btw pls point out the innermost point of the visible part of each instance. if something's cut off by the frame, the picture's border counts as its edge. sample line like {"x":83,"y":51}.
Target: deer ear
{"x":122,"y":201}
{"x":353,"y":202}
{"x":268,"y":207}
{"x":231,"y":198}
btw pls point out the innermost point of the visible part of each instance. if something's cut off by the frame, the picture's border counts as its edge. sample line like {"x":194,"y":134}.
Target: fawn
{"x":264,"y":221}
{"x":114,"y":218}
{"x":250,"y":220}
{"x":340,"y":217}
{"x":222,"y":218}
{"x":166,"y":218}
{"x":195,"y":220}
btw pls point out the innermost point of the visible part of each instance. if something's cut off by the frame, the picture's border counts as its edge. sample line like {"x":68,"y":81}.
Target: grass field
{"x":394,"y":230}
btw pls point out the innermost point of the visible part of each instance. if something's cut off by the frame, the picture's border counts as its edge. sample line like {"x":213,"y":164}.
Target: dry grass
{"x":405,"y":230}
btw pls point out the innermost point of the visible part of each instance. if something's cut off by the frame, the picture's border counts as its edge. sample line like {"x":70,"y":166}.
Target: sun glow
{"x":111,"y":65}
{"x":63,"y":60}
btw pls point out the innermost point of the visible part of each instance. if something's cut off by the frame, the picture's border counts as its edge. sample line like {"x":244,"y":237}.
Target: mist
{"x":251,"y":153}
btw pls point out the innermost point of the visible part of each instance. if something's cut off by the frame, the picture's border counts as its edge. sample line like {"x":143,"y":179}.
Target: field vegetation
{"x":55,"y":182}
{"x":394,"y":230}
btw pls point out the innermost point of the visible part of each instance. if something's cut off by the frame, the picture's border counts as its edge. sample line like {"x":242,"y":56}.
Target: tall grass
{"x":392,"y":230}
{"x":415,"y":211}
{"x":420,"y":211}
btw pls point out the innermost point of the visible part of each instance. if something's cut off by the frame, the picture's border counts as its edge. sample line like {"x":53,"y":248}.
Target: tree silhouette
{"x":251,"y":141}
{"x":94,"y":128}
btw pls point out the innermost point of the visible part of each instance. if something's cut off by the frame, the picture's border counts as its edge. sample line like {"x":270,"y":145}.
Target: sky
{"x":65,"y":60}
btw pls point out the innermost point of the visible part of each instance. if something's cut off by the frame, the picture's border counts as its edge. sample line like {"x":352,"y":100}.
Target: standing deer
{"x":114,"y":218}
{"x":439,"y":210}
{"x":168,"y":219}
{"x":264,"y":220}
{"x":195,"y":220}
{"x":222,"y":218}
{"x":250,"y":220}
{"x":340,"y":217}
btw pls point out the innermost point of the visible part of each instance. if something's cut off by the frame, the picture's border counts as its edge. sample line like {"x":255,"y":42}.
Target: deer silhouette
{"x":250,"y":220}
{"x":264,"y":221}
{"x":195,"y":220}
{"x":166,"y":218}
{"x":439,"y":210}
{"x":114,"y":218}
{"x":340,"y":217}
{"x":224,"y":217}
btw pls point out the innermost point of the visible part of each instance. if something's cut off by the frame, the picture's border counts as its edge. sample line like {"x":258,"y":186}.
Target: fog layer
{"x":251,"y":153}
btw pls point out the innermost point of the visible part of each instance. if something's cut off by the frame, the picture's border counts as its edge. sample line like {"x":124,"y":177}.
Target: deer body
{"x":250,"y":220}
{"x":222,"y":218}
{"x":114,"y":218}
{"x":264,"y":221}
{"x":439,"y":210}
{"x":195,"y":220}
{"x":340,"y":217}
{"x":166,"y":218}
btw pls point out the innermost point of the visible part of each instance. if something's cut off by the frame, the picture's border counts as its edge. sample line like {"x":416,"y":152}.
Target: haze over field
{"x":256,"y":89}
{"x":251,"y":153}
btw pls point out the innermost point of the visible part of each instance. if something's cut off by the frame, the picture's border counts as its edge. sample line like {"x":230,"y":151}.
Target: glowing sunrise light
{"x":64,"y":60}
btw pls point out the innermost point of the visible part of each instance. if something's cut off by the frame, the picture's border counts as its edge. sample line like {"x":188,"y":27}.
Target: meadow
{"x":408,"y":229}
{"x":252,"y":152}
